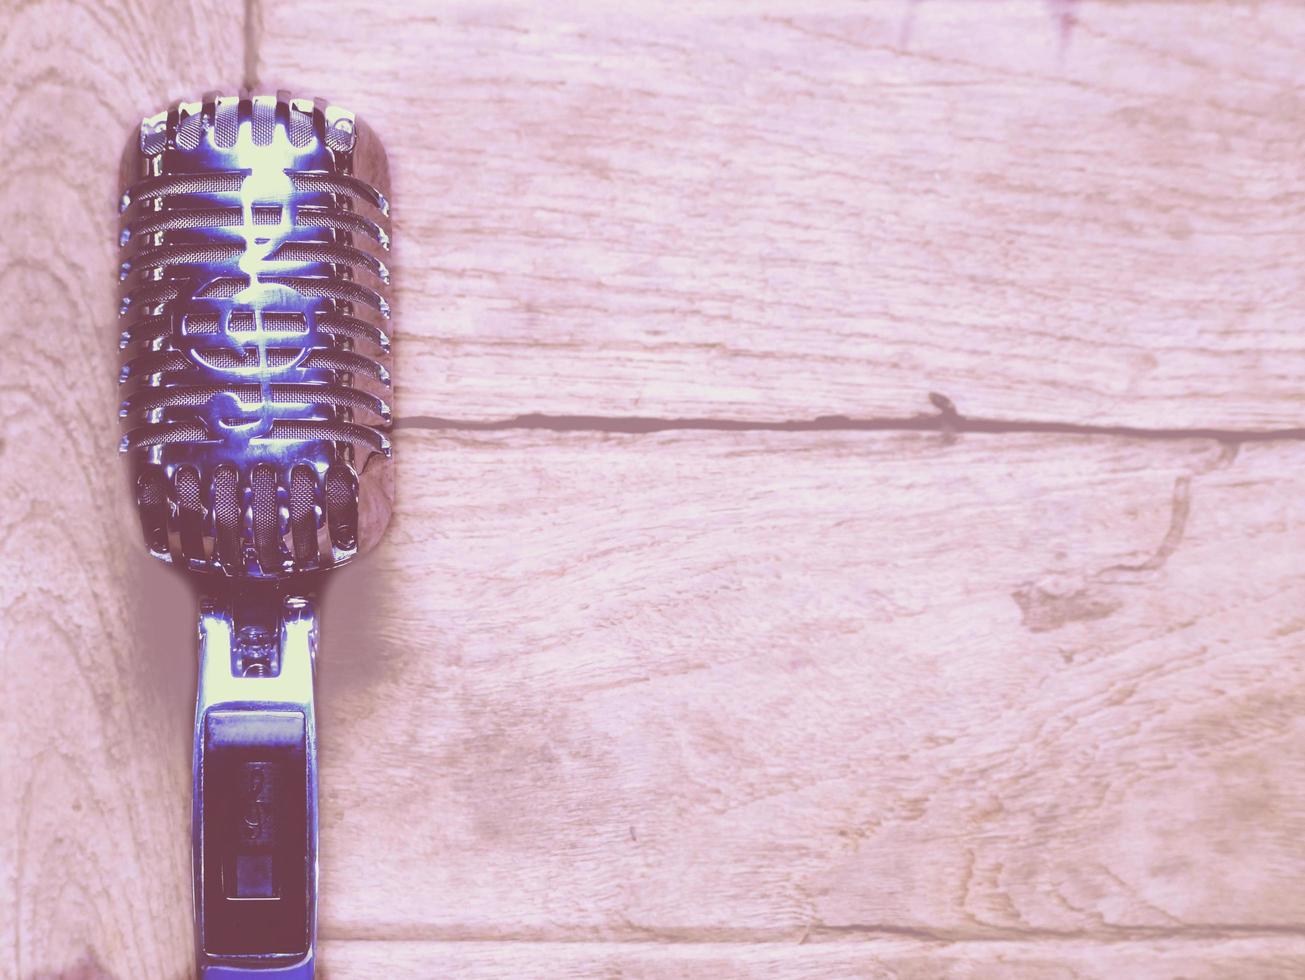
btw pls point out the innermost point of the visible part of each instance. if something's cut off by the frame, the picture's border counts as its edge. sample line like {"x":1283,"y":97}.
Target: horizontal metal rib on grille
{"x":176,"y":185}
{"x":306,"y":217}
{"x":365,"y":437}
{"x":339,"y":325}
{"x":324,"y":252}
{"x":153,"y":398}
{"x":227,"y":287}
{"x":225,"y":357}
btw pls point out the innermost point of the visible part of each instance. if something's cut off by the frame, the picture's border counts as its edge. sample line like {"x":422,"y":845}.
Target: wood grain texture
{"x":767,"y":688}
{"x":881,"y":687}
{"x":1277,"y":959}
{"x":761,"y":211}
{"x":728,"y":704}
{"x":93,"y":848}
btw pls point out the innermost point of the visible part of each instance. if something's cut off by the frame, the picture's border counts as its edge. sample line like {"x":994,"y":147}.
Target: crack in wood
{"x":816,"y":932}
{"x":1181,"y":510}
{"x":253,"y":37}
{"x":948,"y":421}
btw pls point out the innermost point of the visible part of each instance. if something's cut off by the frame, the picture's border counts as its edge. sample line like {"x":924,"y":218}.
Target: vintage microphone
{"x":255,"y":405}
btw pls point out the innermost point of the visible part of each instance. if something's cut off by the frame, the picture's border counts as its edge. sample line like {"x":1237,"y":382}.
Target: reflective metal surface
{"x":255,"y":408}
{"x":255,"y":789}
{"x":255,"y":334}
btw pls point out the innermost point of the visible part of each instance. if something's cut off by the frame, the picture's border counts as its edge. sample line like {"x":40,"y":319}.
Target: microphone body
{"x":255,"y":382}
{"x":255,"y":342}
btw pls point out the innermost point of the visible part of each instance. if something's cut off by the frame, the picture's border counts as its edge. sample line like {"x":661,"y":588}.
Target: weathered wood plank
{"x":765,"y":212}
{"x":1263,"y":959}
{"x":755,"y":687}
{"x":758,"y":699}
{"x":720,"y":688}
{"x":93,"y":854}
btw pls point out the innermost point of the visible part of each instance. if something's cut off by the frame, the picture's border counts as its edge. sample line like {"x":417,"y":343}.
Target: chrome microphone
{"x":255,"y":239}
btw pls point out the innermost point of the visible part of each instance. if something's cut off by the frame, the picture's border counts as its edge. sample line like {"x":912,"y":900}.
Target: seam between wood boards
{"x":947,"y":421}
{"x":252,"y":39}
{"x":837,"y":935}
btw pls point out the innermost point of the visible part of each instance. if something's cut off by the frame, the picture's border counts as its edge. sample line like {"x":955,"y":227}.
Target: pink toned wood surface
{"x":786,"y":210}
{"x":885,"y":959}
{"x":881,"y":686}
{"x":93,"y":781}
{"x":744,"y":703}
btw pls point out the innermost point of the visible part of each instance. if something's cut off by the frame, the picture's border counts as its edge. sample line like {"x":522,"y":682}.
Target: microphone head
{"x":255,"y":240}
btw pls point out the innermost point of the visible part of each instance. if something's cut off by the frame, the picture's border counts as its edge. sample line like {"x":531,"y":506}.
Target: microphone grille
{"x":255,"y":308}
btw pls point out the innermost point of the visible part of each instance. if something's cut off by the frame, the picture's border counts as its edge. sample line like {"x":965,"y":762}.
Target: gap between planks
{"x":948,"y":421}
{"x":252,"y":34}
{"x":830,"y":935}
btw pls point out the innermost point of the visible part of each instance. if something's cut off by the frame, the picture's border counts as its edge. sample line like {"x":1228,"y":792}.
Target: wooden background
{"x":851,"y":494}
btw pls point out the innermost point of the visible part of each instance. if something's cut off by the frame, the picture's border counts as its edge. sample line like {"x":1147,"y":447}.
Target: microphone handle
{"x":255,"y":788}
